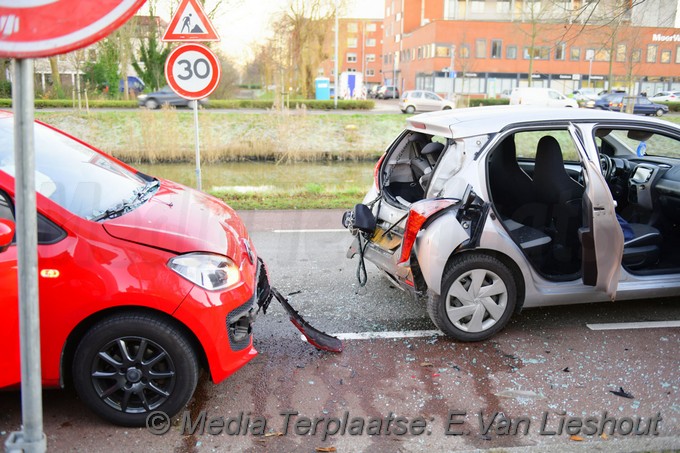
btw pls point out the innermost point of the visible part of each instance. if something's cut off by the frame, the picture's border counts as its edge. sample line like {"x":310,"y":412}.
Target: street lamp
{"x":452,"y":70}
{"x":590,"y":55}
{"x":335,"y":98}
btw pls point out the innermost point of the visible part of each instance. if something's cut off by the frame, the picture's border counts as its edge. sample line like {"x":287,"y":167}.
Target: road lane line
{"x":634,"y":325}
{"x":338,"y":230}
{"x":386,"y":335}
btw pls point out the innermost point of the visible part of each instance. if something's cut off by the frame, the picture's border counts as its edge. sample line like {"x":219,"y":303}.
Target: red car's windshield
{"x":72,"y":175}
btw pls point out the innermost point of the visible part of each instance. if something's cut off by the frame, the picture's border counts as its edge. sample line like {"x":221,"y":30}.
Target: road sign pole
{"x":31,"y":439}
{"x":198,"y":148}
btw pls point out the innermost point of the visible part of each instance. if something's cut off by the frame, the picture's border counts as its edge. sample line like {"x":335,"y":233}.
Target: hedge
{"x":212,"y":104}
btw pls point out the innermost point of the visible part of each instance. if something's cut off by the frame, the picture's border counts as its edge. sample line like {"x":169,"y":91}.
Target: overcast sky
{"x":240,"y":23}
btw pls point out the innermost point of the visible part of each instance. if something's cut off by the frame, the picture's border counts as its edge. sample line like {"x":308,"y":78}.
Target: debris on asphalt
{"x":519,"y":394}
{"x":566,"y":370}
{"x":325,"y":449}
{"x":426,"y":364}
{"x":622,"y":393}
{"x":576,"y":438}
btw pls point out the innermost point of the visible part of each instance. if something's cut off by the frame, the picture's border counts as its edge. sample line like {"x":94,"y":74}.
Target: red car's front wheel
{"x":130,"y":365}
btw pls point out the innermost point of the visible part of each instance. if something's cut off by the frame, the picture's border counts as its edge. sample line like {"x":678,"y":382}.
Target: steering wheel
{"x":606,"y":165}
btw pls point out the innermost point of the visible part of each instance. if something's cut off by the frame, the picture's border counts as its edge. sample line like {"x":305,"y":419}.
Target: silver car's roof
{"x":469,"y":122}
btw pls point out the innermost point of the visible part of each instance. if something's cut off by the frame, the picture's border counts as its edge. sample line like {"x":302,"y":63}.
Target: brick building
{"x":489,"y":44}
{"x":359,"y":49}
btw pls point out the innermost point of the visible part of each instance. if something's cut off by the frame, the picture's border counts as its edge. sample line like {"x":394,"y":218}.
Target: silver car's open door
{"x":601,"y":235}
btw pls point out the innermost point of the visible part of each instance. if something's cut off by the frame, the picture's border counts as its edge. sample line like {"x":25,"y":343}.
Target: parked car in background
{"x":489,"y":210}
{"x":666,"y":96}
{"x":143,"y":281}
{"x":135,"y":85}
{"x":423,"y":101}
{"x":619,"y":101}
{"x":585,"y":97}
{"x":543,"y":97}
{"x":388,"y":92}
{"x":166,"y":96}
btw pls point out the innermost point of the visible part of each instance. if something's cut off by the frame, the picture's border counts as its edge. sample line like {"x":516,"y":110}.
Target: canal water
{"x":256,"y":176}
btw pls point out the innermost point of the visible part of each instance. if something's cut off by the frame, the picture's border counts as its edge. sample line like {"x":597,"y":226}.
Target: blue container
{"x":322,"y":87}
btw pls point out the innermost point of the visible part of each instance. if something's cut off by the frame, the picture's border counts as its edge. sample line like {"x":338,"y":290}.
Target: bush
{"x":672,"y":106}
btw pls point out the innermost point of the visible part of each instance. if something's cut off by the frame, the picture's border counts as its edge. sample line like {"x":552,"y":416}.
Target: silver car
{"x":423,"y":101}
{"x":490,"y":210}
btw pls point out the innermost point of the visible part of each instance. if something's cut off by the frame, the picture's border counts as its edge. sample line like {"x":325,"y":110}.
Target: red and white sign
{"x":190,"y":23}
{"x":192,"y":71}
{"x":42,"y":28}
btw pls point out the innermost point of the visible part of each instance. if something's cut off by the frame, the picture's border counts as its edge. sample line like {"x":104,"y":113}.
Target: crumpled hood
{"x":181,"y":220}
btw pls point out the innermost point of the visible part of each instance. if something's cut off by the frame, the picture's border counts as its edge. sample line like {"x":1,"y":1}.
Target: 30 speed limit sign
{"x":192,"y":71}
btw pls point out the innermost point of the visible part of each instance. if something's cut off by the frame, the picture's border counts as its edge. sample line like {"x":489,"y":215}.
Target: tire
{"x":151,"y":104}
{"x":410,"y":109}
{"x":447,"y":108}
{"x":659,"y":112}
{"x":126,"y":389}
{"x":468,"y":318}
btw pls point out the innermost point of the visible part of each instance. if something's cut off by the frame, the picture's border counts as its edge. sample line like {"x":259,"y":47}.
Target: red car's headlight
{"x":207,"y":270}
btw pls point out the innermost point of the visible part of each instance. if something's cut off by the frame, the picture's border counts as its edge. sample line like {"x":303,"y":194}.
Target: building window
{"x":465,"y":51}
{"x":665,"y":56}
{"x":351,"y":70}
{"x":351,"y":58}
{"x":477,"y":6}
{"x":370,"y":57}
{"x":352,"y":27}
{"x":531,"y":7}
{"x":480,"y":48}
{"x":511,"y":52}
{"x":652,"y":49}
{"x":677,"y":55}
{"x":370,"y":72}
{"x":603,"y":55}
{"x":575,"y":54}
{"x":371,"y":27}
{"x":398,"y":17}
{"x":538,"y":53}
{"x":621,"y":53}
{"x":370,"y":42}
{"x":352,"y":43}
{"x":560,"y":51}
{"x":442,"y":51}
{"x":502,"y":6}
{"x":636,"y":56}
{"x":496,"y":48}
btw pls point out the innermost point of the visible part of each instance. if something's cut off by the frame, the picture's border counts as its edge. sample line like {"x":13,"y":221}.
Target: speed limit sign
{"x":192,"y":71}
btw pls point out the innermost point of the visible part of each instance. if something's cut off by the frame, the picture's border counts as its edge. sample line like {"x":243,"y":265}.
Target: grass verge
{"x":277,"y":199}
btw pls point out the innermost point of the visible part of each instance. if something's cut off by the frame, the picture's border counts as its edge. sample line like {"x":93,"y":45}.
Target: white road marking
{"x":338,"y":230}
{"x":634,"y":325}
{"x":386,"y":335}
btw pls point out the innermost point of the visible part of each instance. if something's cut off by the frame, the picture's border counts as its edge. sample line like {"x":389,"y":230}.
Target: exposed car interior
{"x":536,"y":186}
{"x":408,"y":173}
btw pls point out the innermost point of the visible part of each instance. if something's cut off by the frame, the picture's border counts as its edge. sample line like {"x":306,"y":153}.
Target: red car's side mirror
{"x":6,"y":234}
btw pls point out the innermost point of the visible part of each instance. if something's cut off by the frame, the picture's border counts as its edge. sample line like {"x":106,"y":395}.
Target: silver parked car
{"x":490,"y":210}
{"x":423,"y":101}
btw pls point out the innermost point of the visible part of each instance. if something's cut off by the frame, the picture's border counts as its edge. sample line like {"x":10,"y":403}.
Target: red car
{"x":142,"y":281}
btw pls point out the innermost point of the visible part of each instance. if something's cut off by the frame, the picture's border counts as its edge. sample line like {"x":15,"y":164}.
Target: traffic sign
{"x":42,"y":28}
{"x":193,"y":71}
{"x":190,"y":23}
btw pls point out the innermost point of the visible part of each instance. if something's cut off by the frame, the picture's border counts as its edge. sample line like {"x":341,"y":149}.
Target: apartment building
{"x":359,"y":49}
{"x":485,"y":47}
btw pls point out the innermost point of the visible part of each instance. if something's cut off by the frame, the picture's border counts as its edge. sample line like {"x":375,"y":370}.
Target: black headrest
{"x":432,"y":148}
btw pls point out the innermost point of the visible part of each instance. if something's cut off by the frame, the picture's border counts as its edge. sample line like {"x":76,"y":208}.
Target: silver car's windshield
{"x":71,"y":174}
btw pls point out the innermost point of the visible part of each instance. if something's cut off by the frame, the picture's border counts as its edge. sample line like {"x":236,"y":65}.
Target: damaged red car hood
{"x":181,"y":220}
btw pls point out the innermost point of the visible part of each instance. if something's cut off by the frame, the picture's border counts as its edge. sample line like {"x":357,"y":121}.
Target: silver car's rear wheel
{"x":478,"y":297}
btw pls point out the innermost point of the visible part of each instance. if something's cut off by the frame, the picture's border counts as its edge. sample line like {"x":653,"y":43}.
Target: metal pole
{"x":198,"y":149}
{"x":335,"y":98}
{"x":31,"y":438}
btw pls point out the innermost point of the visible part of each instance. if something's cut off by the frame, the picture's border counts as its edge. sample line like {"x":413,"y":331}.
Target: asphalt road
{"x":545,"y":367}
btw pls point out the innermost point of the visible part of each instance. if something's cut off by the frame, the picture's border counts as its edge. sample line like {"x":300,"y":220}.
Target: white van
{"x":544,"y":97}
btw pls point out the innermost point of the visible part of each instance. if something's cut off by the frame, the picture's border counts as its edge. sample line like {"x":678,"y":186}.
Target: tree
{"x":300,"y":46}
{"x":152,"y":55}
{"x":104,"y":73}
